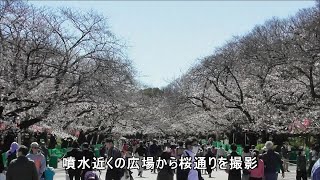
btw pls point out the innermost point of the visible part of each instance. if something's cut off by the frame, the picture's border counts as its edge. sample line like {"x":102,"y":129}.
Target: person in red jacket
{"x":258,"y":172}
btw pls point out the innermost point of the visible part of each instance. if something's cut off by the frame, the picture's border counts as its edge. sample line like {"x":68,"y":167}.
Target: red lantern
{"x":77,"y":134}
{"x":2,"y":126}
{"x":306,"y":122}
{"x":299,"y":125}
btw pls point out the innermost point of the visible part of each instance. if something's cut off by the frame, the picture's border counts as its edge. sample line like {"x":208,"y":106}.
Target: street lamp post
{"x":245,"y":138}
{"x":233,"y":137}
{"x":19,"y":131}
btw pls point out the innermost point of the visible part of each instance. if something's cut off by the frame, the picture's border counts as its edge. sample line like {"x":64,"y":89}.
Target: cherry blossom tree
{"x":263,"y":80}
{"x":58,"y":66}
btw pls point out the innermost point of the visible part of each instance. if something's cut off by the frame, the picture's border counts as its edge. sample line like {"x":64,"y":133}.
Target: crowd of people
{"x":25,"y":163}
{"x":31,"y":160}
{"x":270,"y":160}
{"x":27,"y":137}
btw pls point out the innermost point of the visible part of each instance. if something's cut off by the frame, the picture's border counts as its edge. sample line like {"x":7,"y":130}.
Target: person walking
{"x":38,"y":158}
{"x":166,"y":173}
{"x":114,"y":153}
{"x":153,"y":151}
{"x":234,"y":174}
{"x":53,"y":142}
{"x":271,"y":160}
{"x":1,"y":164}
{"x":87,"y":155}
{"x":192,"y":148}
{"x":214,"y":151}
{"x":313,"y":157}
{"x":258,"y":172}
{"x":12,"y":152}
{"x":246,"y":153}
{"x":209,"y":162}
{"x":22,"y":168}
{"x":173,"y":150}
{"x":285,"y":157}
{"x":315,"y":171}
{"x":44,"y":151}
{"x":179,"y":152}
{"x":301,"y":165}
{"x":125,"y":147}
{"x":141,"y":151}
{"x":76,"y":154}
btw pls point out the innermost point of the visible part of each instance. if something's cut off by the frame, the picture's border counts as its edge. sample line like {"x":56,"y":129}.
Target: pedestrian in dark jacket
{"x":179,"y":153}
{"x":234,"y":174}
{"x":27,"y":140}
{"x":142,"y":152}
{"x":88,"y":155}
{"x":114,"y":153}
{"x":82,"y":137}
{"x":209,"y":161}
{"x":1,"y":163}
{"x":53,"y":142}
{"x":77,"y":155}
{"x":8,"y":140}
{"x":153,"y":150}
{"x":22,"y":168}
{"x":272,"y":161}
{"x":44,"y":151}
{"x":166,"y":173}
{"x":285,"y":156}
{"x":301,"y":166}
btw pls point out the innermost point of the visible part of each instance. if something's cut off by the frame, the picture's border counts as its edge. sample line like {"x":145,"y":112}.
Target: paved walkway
{"x":147,"y":175}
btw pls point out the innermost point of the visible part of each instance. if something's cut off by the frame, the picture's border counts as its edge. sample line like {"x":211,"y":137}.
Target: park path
{"x":147,"y":175}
